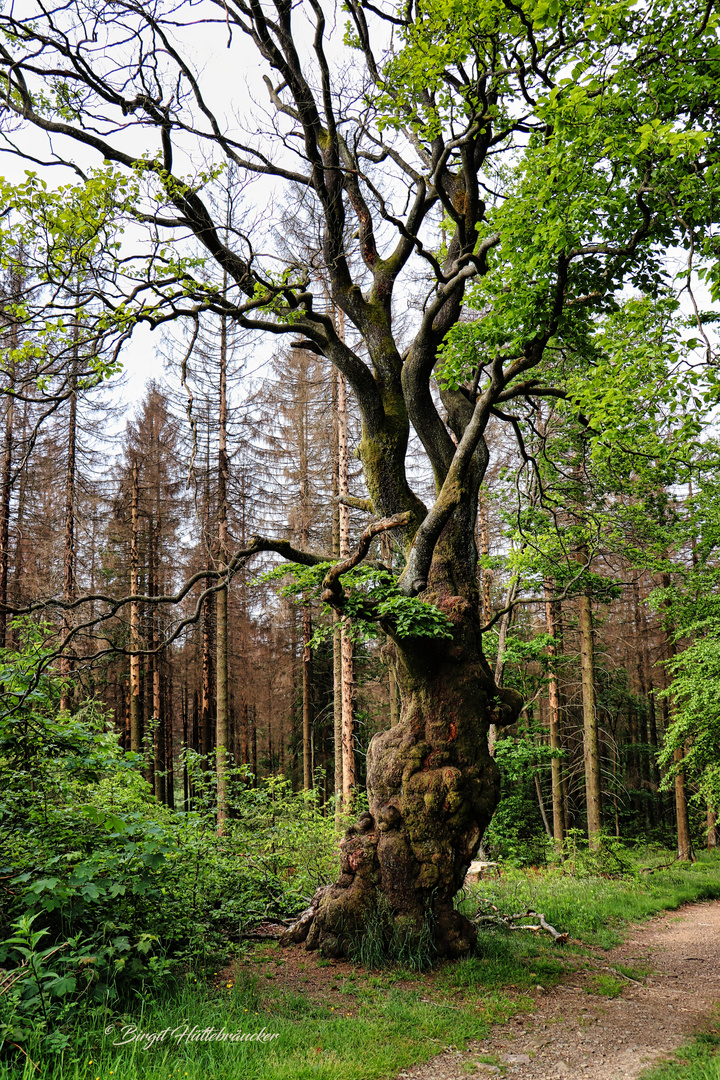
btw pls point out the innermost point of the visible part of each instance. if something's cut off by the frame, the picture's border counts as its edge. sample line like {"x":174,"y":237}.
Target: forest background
{"x":131,"y":653}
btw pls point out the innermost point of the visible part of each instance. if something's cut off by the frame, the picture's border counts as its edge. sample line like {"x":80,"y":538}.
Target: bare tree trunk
{"x":555,"y":724}
{"x":505,"y":621}
{"x":69,"y":551}
{"x":684,"y":842}
{"x":5,"y":494}
{"x":254,"y":745}
{"x":541,"y":804}
{"x":19,"y":561}
{"x":346,"y":645}
{"x":591,"y":746}
{"x":645,"y":768}
{"x":158,"y":714}
{"x":307,"y":666}
{"x":484,"y":524}
{"x":245,"y":734}
{"x":307,"y":689}
{"x":206,"y":694}
{"x":337,"y":714}
{"x":167,"y":712}
{"x":653,"y":768}
{"x":136,"y":733}
{"x":337,"y":632}
{"x":221,"y":643}
{"x":184,"y":698}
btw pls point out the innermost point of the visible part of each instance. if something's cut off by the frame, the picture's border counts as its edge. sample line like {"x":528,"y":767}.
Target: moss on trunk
{"x":432,"y":789}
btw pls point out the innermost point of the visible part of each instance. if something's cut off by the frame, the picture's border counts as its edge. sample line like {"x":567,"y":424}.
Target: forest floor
{"x":576,"y":1030}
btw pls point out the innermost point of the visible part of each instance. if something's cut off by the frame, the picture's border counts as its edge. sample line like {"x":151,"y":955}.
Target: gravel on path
{"x":573,"y":1035}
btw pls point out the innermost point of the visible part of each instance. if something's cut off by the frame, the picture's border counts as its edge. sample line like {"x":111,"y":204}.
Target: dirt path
{"x":573,"y":1034}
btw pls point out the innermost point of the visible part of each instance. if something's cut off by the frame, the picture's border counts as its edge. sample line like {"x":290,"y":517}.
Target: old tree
{"x":522,"y":167}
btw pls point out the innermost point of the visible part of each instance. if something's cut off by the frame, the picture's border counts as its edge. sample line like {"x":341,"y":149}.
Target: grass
{"x":389,"y":1029}
{"x":504,"y":962}
{"x":700,"y":1060}
{"x":345,"y":1024}
{"x":595,"y":909}
{"x":605,"y":986}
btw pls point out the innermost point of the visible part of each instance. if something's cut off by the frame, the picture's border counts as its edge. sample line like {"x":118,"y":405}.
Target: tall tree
{"x":70,"y":514}
{"x":588,"y":119}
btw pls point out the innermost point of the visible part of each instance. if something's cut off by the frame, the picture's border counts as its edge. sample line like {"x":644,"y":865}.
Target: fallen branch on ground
{"x":512,"y":922}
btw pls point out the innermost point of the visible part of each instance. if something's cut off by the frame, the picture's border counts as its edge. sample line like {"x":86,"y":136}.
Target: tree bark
{"x":307,"y":664}
{"x":206,"y":694}
{"x":393,"y":695}
{"x":684,"y":841}
{"x":505,"y":622}
{"x":221,"y":642}
{"x":432,"y":785}
{"x":5,"y":495}
{"x":484,"y":529}
{"x":158,"y":716}
{"x":645,"y":768}
{"x":591,"y":745}
{"x":347,"y":681}
{"x":685,"y":848}
{"x":19,"y":561}
{"x":136,"y":733}
{"x":337,"y":631}
{"x":66,"y":664}
{"x":307,"y":691}
{"x":551,"y":625}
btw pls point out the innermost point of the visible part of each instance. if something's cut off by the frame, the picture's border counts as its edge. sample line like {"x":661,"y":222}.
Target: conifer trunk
{"x":157,"y":710}
{"x":205,"y":695}
{"x":347,"y":681}
{"x":5,"y":495}
{"x":135,"y":715}
{"x":69,"y":546}
{"x":685,"y":850}
{"x":222,"y":732}
{"x":307,"y":702}
{"x":591,"y":745}
{"x":551,"y":625}
{"x":337,"y":634}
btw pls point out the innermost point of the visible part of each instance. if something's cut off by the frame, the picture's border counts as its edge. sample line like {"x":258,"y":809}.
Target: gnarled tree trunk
{"x":432,"y":789}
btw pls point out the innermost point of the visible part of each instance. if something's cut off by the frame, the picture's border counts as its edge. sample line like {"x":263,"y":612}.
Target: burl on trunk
{"x":432,"y":789}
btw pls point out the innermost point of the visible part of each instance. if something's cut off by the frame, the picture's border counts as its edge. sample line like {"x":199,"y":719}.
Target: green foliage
{"x":373,"y":603}
{"x":371,"y":1028}
{"x":690,"y":607}
{"x":106,"y":893}
{"x":516,"y":832}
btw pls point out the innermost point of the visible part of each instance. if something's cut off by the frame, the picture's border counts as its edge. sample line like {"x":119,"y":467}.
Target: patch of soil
{"x":292,"y":970}
{"x":574,"y":1034}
